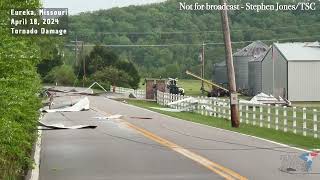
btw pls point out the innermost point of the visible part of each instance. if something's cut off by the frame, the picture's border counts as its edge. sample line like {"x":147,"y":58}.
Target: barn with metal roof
{"x":292,"y":71}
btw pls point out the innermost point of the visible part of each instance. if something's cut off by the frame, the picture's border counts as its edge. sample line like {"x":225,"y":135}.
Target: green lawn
{"x":291,"y":139}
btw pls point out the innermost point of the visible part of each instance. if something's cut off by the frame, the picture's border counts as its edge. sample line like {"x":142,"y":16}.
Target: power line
{"x":200,"y":32}
{"x":194,"y":44}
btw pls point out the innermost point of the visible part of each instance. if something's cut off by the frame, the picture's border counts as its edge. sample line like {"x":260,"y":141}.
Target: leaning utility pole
{"x":229,"y":61}
{"x":202,"y":68}
{"x":84,"y":64}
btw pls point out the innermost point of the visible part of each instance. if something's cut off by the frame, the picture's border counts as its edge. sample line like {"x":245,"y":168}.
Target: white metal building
{"x":292,"y":71}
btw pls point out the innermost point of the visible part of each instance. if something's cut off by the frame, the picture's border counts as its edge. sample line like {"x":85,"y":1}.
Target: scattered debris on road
{"x":81,"y":105}
{"x":136,"y":117}
{"x":116,"y":116}
{"x":61,"y":126}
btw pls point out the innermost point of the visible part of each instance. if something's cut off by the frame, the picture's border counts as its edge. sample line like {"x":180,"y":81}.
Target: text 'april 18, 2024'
{"x":45,"y":21}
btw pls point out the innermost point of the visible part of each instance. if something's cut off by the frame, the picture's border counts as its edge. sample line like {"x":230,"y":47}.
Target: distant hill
{"x":144,"y":23}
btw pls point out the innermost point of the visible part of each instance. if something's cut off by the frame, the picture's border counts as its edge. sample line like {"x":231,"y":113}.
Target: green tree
{"x":113,"y":76}
{"x":62,"y":75}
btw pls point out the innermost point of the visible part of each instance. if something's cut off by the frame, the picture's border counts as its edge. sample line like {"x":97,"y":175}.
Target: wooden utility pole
{"x":202,"y":68}
{"x":229,"y":61}
{"x":84,"y":64}
{"x":76,"y":50}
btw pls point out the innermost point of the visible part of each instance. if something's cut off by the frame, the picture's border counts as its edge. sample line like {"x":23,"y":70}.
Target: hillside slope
{"x":143,"y":24}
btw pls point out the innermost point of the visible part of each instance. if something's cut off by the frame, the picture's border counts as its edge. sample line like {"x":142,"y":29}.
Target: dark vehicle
{"x":173,"y":87}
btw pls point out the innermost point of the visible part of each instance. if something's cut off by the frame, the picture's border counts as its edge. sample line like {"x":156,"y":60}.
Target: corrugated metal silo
{"x":220,"y":73}
{"x":241,"y":62}
{"x":255,"y":75}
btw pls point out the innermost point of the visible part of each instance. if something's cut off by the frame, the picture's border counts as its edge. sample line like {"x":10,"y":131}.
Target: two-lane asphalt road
{"x":160,"y":148}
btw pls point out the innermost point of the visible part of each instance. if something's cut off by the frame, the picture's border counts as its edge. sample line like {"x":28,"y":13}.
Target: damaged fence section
{"x":287,"y":119}
{"x":137,"y":93}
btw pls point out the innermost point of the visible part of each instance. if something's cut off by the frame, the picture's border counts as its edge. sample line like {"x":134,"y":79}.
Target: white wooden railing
{"x":139,"y":93}
{"x":287,"y":119}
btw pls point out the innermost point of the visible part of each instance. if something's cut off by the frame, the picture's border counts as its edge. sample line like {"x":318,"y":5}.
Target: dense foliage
{"x":112,"y":27}
{"x":19,"y":104}
{"x":104,"y":66}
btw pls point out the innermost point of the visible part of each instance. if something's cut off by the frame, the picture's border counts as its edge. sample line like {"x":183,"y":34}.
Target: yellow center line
{"x":214,"y":167}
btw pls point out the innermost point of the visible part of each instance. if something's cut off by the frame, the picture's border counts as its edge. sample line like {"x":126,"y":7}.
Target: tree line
{"x":185,"y":31}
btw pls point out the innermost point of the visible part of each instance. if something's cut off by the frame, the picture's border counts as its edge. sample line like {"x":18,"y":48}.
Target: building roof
{"x":300,"y":51}
{"x":254,"y":49}
{"x":260,"y":57}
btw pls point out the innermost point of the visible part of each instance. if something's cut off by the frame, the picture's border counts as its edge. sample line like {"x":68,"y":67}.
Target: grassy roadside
{"x":270,"y":134}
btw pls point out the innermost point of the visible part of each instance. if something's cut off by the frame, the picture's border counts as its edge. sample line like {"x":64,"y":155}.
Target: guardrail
{"x":138,"y":93}
{"x":287,"y":119}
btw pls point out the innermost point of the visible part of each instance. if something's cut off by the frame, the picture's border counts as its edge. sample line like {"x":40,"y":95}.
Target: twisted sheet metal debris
{"x":116,"y":116}
{"x":167,"y":109}
{"x":81,"y":105}
{"x":61,"y":126}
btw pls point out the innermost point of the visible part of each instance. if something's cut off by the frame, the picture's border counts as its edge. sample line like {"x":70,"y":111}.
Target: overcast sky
{"x":77,"y":6}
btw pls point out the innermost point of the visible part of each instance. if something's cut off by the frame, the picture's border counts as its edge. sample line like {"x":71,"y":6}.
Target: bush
{"x":19,"y":104}
{"x":62,"y":75}
{"x":112,"y":76}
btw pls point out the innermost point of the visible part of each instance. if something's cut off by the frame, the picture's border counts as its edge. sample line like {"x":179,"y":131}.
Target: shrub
{"x":62,"y":75}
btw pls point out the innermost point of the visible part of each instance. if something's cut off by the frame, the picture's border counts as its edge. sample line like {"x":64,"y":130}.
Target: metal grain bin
{"x":220,"y":73}
{"x":241,"y":62}
{"x":255,"y":75}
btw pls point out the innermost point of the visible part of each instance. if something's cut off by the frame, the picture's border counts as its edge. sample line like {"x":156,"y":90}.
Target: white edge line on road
{"x":36,"y":170}
{"x":270,"y":141}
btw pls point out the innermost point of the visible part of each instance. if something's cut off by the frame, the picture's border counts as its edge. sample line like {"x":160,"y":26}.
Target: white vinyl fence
{"x":139,"y":93}
{"x":288,"y":119}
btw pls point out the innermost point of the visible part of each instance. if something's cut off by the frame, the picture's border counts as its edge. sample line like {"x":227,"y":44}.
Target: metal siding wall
{"x":241,"y":71}
{"x":267,"y":76}
{"x":259,"y":77}
{"x":220,"y":75}
{"x":252,"y":78}
{"x":304,"y":81}
{"x":255,"y":77}
{"x":280,"y":75}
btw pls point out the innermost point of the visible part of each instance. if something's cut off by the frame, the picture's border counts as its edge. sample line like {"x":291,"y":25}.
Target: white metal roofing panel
{"x":300,"y":51}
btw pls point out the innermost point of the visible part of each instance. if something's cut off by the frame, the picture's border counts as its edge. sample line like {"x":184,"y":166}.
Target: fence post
{"x":261,"y":116}
{"x":304,"y":118}
{"x":294,"y":120}
{"x":269,"y":116}
{"x":254,"y":115}
{"x":315,"y":125}
{"x":285,"y":120}
{"x":201,"y":105}
{"x":211,"y":106}
{"x":240,"y":111}
{"x":277,"y":117}
{"x":206,"y":110}
{"x":247,"y":114}
{"x":224,"y":109}
{"x":229,"y":110}
{"x":157,"y":97}
{"x":214,"y":107}
{"x":219,"y":108}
